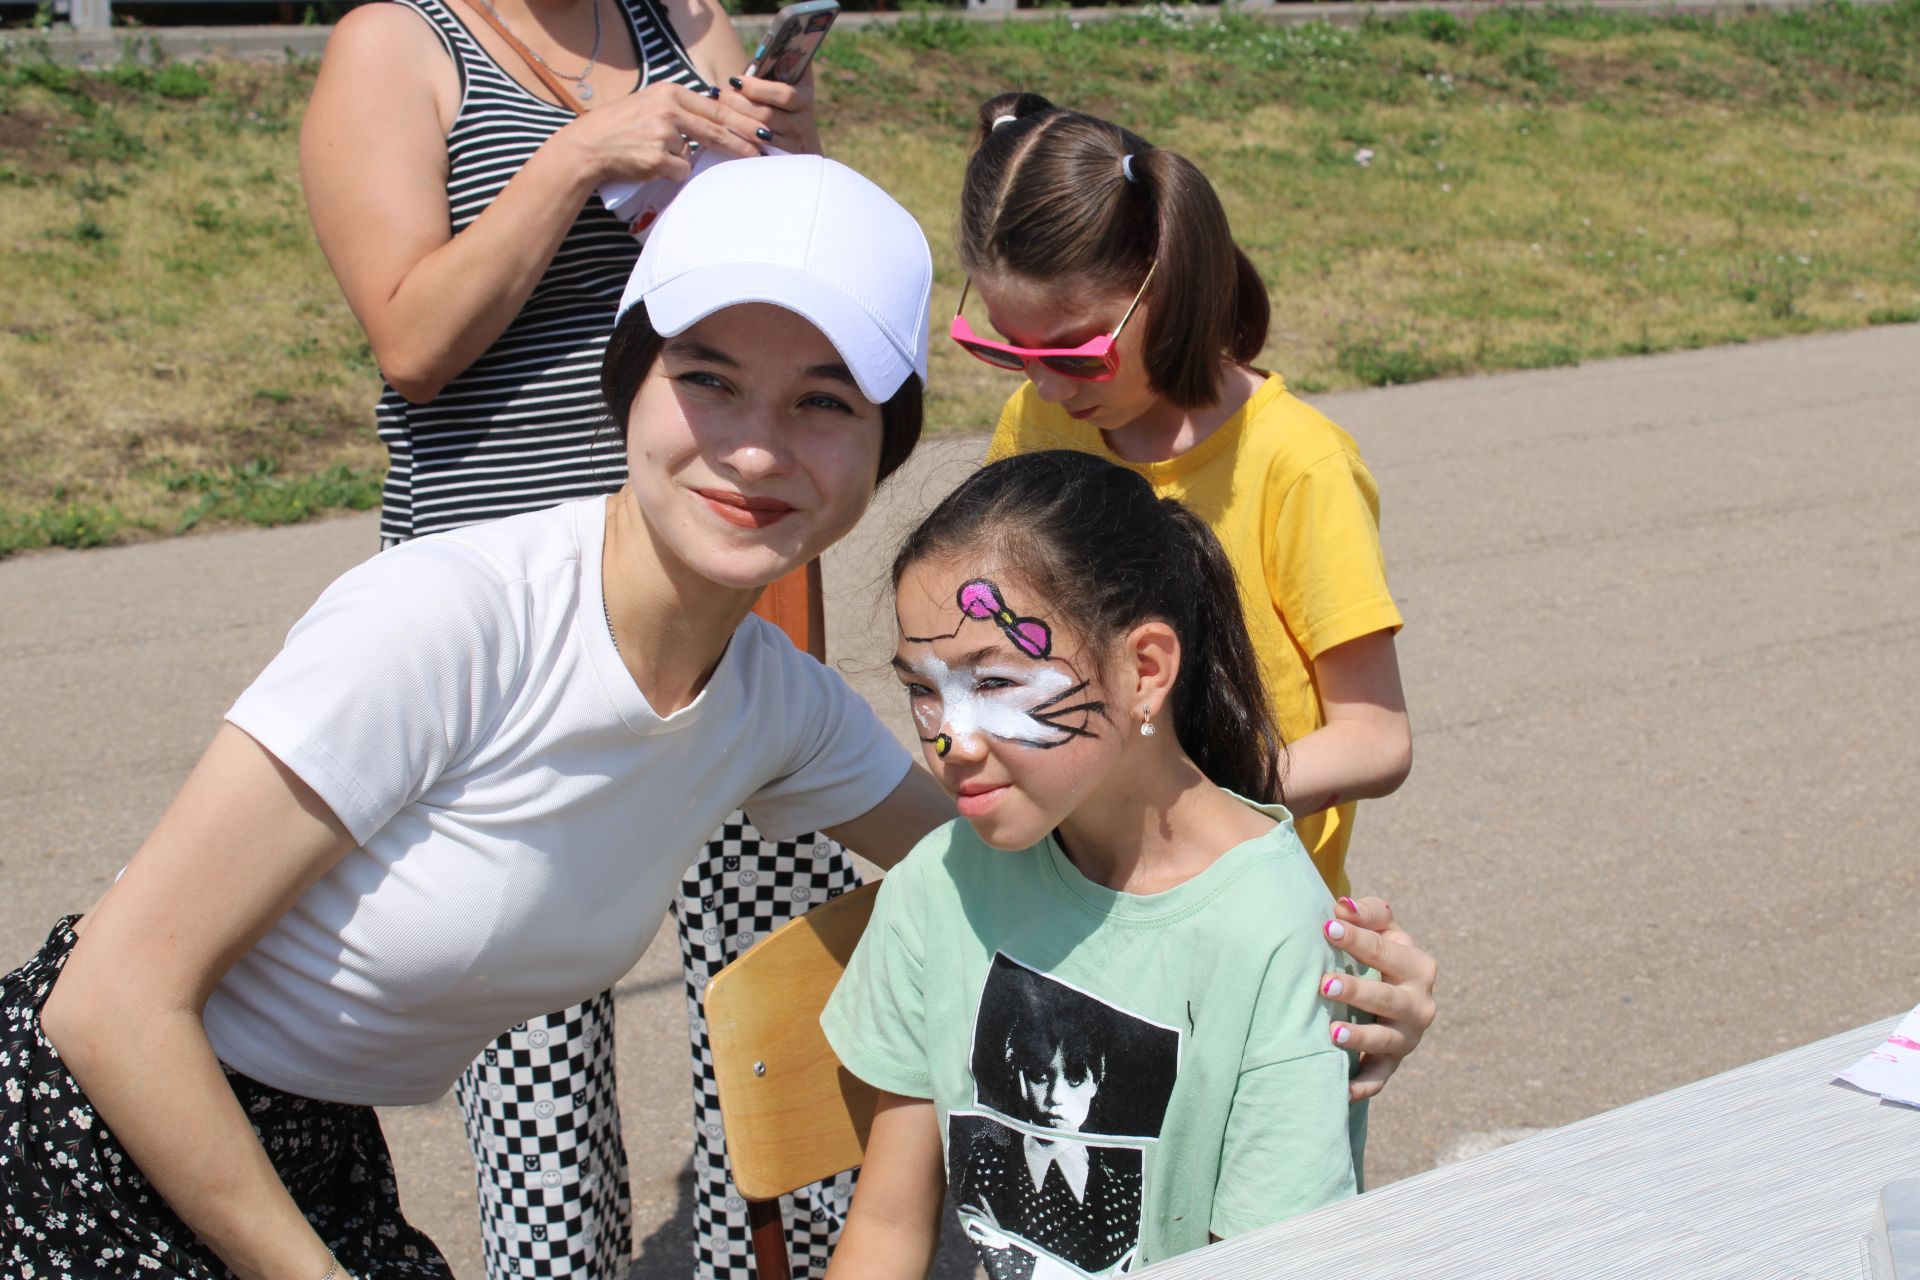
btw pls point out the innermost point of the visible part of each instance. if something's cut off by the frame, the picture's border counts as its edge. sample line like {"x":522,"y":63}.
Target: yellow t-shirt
{"x":1287,"y":494}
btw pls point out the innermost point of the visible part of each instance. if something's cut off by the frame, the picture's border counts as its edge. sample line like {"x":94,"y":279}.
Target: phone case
{"x":791,"y":43}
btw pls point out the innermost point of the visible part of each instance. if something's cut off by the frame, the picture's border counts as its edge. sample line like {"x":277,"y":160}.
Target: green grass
{"x":257,"y":494}
{"x":56,"y":525}
{"x":1541,"y":187}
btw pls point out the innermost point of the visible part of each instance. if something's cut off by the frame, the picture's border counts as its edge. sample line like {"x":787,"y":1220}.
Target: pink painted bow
{"x":981,"y":599}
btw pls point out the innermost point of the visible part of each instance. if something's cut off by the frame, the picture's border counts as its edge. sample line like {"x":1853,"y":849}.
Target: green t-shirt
{"x":1116,"y":1075}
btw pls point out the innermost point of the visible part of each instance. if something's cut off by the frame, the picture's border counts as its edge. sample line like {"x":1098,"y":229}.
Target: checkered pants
{"x":543,"y":1121}
{"x":542,"y":1110}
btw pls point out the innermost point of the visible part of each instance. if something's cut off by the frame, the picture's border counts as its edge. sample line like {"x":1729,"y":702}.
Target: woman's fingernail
{"x":735,"y":82}
{"x":1349,"y":905}
{"x":1332,"y":987}
{"x":1342,"y":1034}
{"x":1336,"y":930}
{"x":763,"y":133}
{"x":713,"y":91}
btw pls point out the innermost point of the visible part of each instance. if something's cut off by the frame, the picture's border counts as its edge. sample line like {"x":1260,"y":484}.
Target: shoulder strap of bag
{"x":534,"y":64}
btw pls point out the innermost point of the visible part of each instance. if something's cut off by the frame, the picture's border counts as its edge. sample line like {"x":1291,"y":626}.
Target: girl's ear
{"x":1151,"y":657}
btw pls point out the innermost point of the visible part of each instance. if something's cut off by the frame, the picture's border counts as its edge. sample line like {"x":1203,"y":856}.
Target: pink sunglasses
{"x":1095,"y":361}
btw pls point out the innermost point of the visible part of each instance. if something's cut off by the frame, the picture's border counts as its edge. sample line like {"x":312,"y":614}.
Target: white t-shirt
{"x":523,"y":816}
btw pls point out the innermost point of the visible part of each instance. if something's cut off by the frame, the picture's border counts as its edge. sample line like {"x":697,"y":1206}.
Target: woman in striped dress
{"x":454,"y":195}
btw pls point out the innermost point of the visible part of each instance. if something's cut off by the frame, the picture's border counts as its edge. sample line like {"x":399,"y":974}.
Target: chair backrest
{"x":797,"y":605}
{"x":793,"y":1114}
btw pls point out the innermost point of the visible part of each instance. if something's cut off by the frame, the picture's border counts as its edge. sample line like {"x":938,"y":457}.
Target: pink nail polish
{"x":1332,"y":987}
{"x":1336,"y":930}
{"x":1342,"y":1034}
{"x":1349,"y":905}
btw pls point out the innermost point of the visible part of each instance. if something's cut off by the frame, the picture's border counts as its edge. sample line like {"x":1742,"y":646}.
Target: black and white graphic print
{"x":1047,"y":1053}
{"x":1044,"y":1208}
{"x":1049,"y":1173}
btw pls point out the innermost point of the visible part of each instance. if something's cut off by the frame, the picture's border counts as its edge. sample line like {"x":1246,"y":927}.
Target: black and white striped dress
{"x":521,"y":429}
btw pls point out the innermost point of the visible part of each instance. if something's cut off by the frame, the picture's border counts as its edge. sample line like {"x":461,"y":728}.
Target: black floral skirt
{"x":74,"y":1207}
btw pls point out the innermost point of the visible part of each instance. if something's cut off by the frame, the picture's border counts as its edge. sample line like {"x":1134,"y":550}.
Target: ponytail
{"x":1091,"y":540}
{"x":1220,"y":702}
{"x":1207,"y":301}
{"x":1058,"y":197}
{"x":1009,"y":108}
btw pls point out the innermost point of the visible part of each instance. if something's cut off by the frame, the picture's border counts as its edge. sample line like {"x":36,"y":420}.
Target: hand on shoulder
{"x":1400,"y":1000}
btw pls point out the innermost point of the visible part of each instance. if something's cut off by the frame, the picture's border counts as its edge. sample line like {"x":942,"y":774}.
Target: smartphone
{"x":796,"y":33}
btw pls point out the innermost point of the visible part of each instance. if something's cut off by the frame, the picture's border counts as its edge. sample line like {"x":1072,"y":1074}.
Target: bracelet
{"x":333,"y":1267}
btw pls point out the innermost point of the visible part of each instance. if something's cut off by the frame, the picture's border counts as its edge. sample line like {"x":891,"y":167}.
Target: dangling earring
{"x":1146,"y":723}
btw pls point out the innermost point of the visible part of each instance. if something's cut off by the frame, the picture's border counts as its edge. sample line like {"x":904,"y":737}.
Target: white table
{"x":1768,"y":1172}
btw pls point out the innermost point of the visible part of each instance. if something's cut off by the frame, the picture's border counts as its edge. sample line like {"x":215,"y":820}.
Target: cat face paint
{"x":1011,"y":727}
{"x":1028,"y":704}
{"x":1030,"y":708}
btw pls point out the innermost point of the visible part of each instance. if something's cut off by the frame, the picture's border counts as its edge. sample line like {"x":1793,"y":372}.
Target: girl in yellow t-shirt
{"x":1107,"y":266}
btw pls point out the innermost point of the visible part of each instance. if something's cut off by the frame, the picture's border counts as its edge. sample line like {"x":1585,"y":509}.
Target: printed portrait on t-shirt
{"x":1044,"y":1208}
{"x":1046,"y":1053}
{"x":1048,"y":1174}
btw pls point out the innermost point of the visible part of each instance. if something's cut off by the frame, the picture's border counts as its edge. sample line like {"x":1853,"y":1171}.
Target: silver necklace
{"x":581,"y":88}
{"x":608,"y":609}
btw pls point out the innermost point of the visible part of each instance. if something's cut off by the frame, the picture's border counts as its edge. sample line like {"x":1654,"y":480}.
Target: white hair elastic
{"x":1126,"y":167}
{"x":1000,"y":120}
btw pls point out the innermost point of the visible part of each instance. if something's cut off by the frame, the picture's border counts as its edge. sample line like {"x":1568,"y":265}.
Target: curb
{"x":96,"y":48}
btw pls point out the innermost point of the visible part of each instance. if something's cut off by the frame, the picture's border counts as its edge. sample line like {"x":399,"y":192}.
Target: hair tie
{"x":1126,"y":167}
{"x":1000,"y":120}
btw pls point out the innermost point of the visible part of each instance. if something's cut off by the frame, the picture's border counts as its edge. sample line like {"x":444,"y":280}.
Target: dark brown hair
{"x":1045,"y":198}
{"x":636,"y":344}
{"x":1094,"y":542}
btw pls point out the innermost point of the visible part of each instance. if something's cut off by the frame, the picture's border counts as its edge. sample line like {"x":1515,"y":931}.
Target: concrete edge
{"x":96,"y":48}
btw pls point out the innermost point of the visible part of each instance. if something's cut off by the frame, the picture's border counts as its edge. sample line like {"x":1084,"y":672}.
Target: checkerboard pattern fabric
{"x":743,"y":888}
{"x":542,"y":1111}
{"x":543,"y":1119}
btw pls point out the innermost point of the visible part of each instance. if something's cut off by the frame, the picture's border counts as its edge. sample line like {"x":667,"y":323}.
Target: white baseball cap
{"x":801,"y":232}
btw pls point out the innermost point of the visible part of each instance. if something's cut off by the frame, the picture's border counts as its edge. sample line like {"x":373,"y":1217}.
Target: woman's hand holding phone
{"x":776,"y":88}
{"x":645,"y":135}
{"x":784,"y":110}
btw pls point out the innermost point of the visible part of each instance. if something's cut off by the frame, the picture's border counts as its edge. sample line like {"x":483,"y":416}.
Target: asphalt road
{"x":1659,"y":824}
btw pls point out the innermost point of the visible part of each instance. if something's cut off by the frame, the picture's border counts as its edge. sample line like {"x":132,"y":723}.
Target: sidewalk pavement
{"x":1658,"y":615}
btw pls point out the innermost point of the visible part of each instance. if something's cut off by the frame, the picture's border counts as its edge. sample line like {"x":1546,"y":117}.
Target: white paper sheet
{"x":1893,"y":1069}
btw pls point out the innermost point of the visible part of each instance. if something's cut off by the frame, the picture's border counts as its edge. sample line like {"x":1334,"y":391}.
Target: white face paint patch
{"x":999,"y":702}
{"x":1033,"y":700}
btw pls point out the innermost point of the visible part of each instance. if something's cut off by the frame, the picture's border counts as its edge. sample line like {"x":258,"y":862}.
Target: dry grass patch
{"x":167,"y":326}
{"x":1425,"y":197}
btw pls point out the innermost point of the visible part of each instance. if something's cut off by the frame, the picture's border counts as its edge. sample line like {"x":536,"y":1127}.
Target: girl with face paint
{"x":1096,"y":993}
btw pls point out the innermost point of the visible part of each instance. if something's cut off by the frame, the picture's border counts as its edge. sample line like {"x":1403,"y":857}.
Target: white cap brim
{"x":877,"y":363}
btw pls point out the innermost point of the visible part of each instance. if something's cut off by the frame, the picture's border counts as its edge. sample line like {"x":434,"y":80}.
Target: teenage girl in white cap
{"x":415,"y":828}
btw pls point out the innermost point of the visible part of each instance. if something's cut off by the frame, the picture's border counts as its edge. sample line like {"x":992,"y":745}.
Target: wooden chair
{"x":793,"y":1114}
{"x":796,"y":605}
